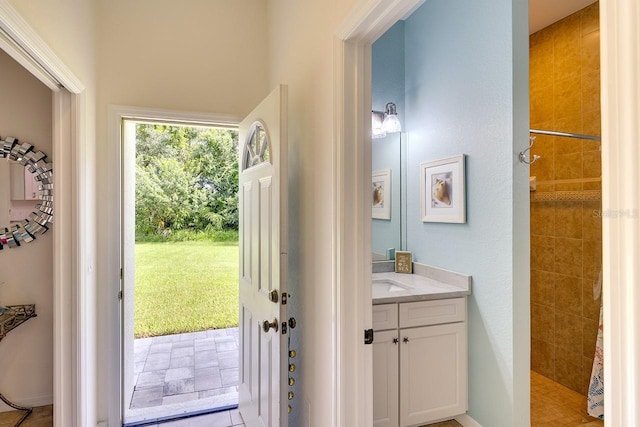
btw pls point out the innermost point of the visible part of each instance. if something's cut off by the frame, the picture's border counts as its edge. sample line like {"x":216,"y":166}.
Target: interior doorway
{"x":180,"y":268}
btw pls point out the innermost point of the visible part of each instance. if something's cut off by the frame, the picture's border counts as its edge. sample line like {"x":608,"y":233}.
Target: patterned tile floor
{"x":184,"y":373}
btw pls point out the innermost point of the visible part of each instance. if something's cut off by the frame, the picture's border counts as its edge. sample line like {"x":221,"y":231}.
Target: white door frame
{"x":71,"y":336}
{"x":117,"y":152}
{"x":620,"y":52}
{"x":620,"y":105}
{"x":352,"y":163}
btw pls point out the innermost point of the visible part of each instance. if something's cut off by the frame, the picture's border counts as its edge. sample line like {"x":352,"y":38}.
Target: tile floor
{"x":553,"y":405}
{"x":182,"y":373}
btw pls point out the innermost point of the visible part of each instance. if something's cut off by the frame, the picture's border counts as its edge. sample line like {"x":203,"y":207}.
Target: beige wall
{"x":566,"y":234}
{"x":27,"y":271}
{"x":301,"y":53}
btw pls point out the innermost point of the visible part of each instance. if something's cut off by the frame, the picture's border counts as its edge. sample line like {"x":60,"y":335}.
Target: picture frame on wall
{"x":442,"y":190}
{"x":381,"y":194}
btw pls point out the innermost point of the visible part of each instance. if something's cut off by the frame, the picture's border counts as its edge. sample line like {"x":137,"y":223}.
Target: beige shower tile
{"x":591,"y":221}
{"x":590,"y":19}
{"x":542,"y":357}
{"x":542,"y":323}
{"x":566,"y":61}
{"x":544,"y":36}
{"x":539,"y":104}
{"x":568,"y":257}
{"x":569,"y":370}
{"x":590,"y":307}
{"x":543,"y":253}
{"x":543,"y":218}
{"x":587,"y":367}
{"x":591,"y":91}
{"x":589,"y":335}
{"x":567,"y":97}
{"x":591,"y":259}
{"x":543,"y":288}
{"x":570,"y":124}
{"x":568,"y":333}
{"x":592,"y":164}
{"x":590,"y":52}
{"x":568,"y":219}
{"x":568,"y":166}
{"x":591,"y":125}
{"x":568,"y":294}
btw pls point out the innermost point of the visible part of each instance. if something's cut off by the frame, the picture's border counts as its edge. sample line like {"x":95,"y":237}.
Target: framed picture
{"x":381,"y":194}
{"x":442,"y":190}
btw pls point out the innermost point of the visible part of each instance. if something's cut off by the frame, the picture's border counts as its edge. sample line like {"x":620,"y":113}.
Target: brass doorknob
{"x":266,"y":325}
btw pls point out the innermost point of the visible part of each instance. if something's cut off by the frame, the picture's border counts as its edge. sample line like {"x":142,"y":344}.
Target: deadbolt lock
{"x":266,"y":325}
{"x":273,"y":296}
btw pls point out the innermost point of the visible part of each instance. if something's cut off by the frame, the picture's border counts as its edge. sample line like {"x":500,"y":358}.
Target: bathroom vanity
{"x":420,"y":346}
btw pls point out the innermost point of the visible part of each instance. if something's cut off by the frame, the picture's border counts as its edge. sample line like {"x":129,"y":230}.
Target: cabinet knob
{"x":292,"y":367}
{"x":292,"y":353}
{"x":290,"y":395}
{"x":289,"y":409}
{"x":395,"y":340}
{"x":405,"y":339}
{"x":292,"y":381}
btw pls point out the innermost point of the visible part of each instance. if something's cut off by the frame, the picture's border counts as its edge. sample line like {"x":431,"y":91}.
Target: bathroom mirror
{"x":26,"y":193}
{"x":388,"y":154}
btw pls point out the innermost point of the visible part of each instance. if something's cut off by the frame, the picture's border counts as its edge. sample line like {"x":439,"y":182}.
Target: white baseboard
{"x":29,"y":402}
{"x":467,"y":421}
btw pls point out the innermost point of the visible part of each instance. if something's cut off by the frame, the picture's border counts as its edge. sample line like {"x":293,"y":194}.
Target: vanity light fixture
{"x":391,"y":123}
{"x":377,"y":117}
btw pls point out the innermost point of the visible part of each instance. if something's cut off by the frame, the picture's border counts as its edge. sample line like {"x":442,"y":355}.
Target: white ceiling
{"x":543,"y":13}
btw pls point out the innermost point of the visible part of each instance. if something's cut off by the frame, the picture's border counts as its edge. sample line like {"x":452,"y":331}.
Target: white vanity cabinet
{"x":420,"y":362}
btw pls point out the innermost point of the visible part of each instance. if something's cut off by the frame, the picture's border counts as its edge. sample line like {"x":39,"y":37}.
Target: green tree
{"x":186,"y":178}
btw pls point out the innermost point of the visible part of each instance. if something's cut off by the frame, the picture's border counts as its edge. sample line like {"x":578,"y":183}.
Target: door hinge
{"x":121,"y":274}
{"x":284,"y":328}
{"x":285,"y":298}
{"x":368,"y":336}
{"x":120,"y":295}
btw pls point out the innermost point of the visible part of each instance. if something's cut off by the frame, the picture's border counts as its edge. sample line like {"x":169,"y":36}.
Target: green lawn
{"x":185,"y":287}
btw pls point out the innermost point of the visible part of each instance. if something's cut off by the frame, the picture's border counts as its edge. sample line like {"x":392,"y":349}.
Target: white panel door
{"x":263,"y":262}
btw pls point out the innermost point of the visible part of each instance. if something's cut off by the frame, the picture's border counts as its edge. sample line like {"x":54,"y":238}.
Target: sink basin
{"x":389,"y":285}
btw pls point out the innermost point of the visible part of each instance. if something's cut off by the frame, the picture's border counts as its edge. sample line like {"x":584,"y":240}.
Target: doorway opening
{"x":180,"y":270}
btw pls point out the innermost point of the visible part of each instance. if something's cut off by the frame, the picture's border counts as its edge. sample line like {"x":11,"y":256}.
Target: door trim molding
{"x":352,"y":215}
{"x":71,"y":317}
{"x":114,"y":228}
{"x":620,"y":106}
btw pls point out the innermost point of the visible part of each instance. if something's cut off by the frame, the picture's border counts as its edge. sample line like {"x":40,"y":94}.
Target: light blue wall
{"x":466,"y":92}
{"x":387,"y":77}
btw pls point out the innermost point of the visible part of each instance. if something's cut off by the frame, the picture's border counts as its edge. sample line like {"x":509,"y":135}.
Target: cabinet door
{"x":385,"y":379}
{"x":433,"y":373}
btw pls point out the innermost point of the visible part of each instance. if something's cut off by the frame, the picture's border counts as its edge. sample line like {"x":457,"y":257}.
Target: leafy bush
{"x":186,"y":182}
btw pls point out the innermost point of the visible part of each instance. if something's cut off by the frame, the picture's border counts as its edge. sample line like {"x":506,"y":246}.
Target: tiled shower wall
{"x":566,"y":236}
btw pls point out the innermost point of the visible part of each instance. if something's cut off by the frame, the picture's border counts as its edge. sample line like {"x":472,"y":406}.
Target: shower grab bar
{"x":565,"y":134}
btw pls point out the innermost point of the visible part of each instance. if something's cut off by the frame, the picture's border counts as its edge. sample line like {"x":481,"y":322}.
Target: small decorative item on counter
{"x":391,"y":253}
{"x":403,"y":262}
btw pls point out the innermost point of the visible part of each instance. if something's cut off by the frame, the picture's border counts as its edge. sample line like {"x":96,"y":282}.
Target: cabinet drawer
{"x":424,"y":313}
{"x":385,"y":316}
